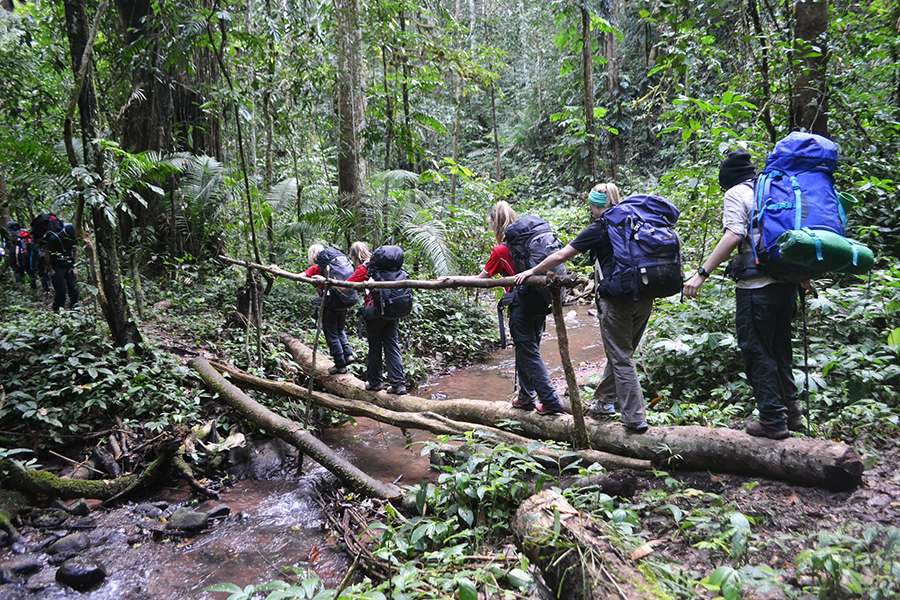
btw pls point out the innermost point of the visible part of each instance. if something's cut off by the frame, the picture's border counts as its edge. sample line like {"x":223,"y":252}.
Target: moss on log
{"x":38,"y":482}
{"x":805,"y":461}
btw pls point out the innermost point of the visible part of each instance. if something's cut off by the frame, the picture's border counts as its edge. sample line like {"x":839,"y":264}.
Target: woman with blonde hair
{"x":622,"y":319}
{"x":526,"y":324}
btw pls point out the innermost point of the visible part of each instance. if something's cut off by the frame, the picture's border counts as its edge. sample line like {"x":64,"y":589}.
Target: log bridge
{"x":805,"y":461}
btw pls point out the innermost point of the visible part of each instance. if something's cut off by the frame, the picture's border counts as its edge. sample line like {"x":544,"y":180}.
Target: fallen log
{"x":430,"y":422}
{"x":294,"y":434}
{"x":575,"y":553}
{"x":444,"y":283}
{"x":38,"y":482}
{"x":815,"y":462}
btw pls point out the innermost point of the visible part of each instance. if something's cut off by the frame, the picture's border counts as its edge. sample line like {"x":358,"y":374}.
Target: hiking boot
{"x":397,"y":390}
{"x":336,"y":370}
{"x":757,"y":429}
{"x":374,"y":387}
{"x":639,"y":428}
{"x":546,"y":408}
{"x":601,"y":410}
{"x":523,"y":404}
{"x":349,"y":359}
{"x":795,"y":416}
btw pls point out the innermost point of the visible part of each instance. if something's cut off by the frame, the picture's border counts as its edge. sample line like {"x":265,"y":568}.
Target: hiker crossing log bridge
{"x":806,"y":461}
{"x":821,"y":463}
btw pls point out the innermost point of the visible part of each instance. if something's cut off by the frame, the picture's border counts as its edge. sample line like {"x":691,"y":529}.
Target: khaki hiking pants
{"x":622,"y":324}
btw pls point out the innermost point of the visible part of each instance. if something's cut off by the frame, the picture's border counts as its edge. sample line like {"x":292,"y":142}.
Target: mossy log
{"x":815,"y":462}
{"x":576,"y":554}
{"x":38,"y":482}
{"x":294,"y":434}
{"x":430,"y":422}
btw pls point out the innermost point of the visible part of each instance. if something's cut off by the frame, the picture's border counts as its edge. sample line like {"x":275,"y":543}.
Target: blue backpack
{"x":646,"y":249}
{"x":798,"y":214}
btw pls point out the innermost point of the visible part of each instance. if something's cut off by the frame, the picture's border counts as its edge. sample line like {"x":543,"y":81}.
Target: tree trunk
{"x":294,"y":434}
{"x":351,"y":102}
{"x":547,"y":455}
{"x":389,"y":110}
{"x":809,"y":100}
{"x":805,"y":461}
{"x":44,"y":483}
{"x":494,"y":128}
{"x":115,"y":307}
{"x":562,"y":338}
{"x":763,"y":66}
{"x":587,"y":65}
{"x":404,"y":92}
{"x":116,"y":310}
{"x":457,"y":92}
{"x":5,"y":217}
{"x":616,"y":147}
{"x":576,"y":552}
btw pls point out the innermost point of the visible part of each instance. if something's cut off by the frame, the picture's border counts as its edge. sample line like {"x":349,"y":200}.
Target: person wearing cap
{"x":622,"y":320}
{"x":764,"y":306}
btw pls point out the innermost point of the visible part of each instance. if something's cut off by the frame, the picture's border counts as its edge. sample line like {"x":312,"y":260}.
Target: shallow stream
{"x":276,"y":522}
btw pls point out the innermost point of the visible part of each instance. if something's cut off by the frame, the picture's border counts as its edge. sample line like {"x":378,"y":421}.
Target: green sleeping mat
{"x":822,"y":251}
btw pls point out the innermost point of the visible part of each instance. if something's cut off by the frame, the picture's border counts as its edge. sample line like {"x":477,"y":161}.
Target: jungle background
{"x":170,"y":132}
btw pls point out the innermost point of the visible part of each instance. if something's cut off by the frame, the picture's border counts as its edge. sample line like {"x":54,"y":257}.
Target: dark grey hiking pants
{"x":534,"y":380}
{"x":763,"y":320}
{"x":334,"y":326}
{"x":384,"y":349}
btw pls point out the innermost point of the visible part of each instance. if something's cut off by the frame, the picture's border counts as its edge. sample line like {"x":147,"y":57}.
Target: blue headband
{"x":597,"y":198}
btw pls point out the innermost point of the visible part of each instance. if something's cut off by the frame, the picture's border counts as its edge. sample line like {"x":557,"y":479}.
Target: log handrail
{"x":450,"y":282}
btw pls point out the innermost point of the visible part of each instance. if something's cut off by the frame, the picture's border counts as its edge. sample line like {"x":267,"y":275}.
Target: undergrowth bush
{"x":62,"y":376}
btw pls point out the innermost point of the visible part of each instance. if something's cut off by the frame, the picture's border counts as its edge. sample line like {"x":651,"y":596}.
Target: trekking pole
{"x":318,"y":332}
{"x":805,"y":360}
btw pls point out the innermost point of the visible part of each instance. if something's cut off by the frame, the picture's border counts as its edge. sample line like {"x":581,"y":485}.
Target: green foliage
{"x":449,"y":328}
{"x":843,"y":566}
{"x":484,"y":491}
{"x":63,"y":377}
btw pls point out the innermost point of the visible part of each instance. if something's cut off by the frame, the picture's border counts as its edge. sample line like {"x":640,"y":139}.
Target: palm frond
{"x":283,"y":195}
{"x":426,"y":234}
{"x":396,"y":178}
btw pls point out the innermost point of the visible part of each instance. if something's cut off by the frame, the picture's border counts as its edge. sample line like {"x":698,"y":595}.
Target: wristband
{"x":703,"y":273}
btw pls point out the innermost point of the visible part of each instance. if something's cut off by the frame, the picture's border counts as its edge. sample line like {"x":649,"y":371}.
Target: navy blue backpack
{"x":530,"y":240}
{"x":646,"y":249}
{"x":333,"y":264}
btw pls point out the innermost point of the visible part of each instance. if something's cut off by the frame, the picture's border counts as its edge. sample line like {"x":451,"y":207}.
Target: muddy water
{"x":493,"y":379}
{"x":278,"y":523}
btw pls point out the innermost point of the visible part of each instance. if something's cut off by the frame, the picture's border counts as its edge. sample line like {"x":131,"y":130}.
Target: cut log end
{"x":576,"y":553}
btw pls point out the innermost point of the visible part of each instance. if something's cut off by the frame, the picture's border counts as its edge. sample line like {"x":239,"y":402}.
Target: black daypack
{"x":530,"y":240}
{"x":334,"y":264}
{"x":386,"y":264}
